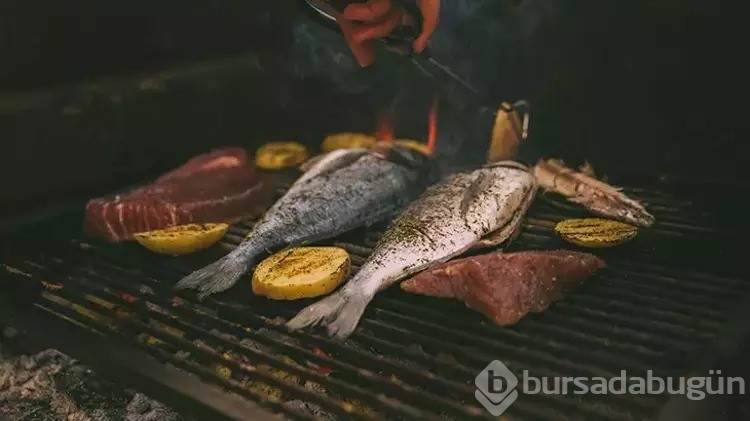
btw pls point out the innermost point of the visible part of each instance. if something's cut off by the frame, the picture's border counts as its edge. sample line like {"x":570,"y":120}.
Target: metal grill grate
{"x":413,"y":357}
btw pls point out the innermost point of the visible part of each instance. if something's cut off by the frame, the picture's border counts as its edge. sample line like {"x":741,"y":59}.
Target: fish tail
{"x":216,"y":277}
{"x":339,"y":312}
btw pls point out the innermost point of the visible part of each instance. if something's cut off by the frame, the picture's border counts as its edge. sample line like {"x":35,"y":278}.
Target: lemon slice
{"x":413,"y":144}
{"x":302,"y":272}
{"x":347,"y":140}
{"x":279,"y":155}
{"x":595,"y":232}
{"x":182,"y":239}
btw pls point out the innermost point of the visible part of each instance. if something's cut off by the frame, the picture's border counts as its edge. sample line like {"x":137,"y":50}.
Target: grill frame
{"x":536,"y":225}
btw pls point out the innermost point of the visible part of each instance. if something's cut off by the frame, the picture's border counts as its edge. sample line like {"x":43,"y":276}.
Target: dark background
{"x":98,"y":94}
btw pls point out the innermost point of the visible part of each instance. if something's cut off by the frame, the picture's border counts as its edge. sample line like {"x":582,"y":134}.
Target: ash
{"x":52,"y":386}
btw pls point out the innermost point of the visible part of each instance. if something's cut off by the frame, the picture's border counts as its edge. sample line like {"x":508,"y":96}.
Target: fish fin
{"x":480,"y":183}
{"x":339,"y":312}
{"x":216,"y":277}
{"x":501,"y":236}
{"x":510,"y":231}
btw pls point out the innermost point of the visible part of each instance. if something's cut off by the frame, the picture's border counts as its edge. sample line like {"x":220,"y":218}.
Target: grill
{"x":656,"y":307}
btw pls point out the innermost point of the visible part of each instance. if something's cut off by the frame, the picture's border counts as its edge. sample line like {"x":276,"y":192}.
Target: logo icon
{"x":496,"y":388}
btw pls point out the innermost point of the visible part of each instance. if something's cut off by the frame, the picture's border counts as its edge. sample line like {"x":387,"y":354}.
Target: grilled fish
{"x":480,"y":207}
{"x":343,"y":190}
{"x":595,"y":195}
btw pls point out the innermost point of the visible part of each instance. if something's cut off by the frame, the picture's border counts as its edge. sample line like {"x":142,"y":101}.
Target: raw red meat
{"x":220,"y":186}
{"x":507,"y":286}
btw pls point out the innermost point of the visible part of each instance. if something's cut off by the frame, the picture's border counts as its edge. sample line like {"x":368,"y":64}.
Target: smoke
{"x":494,"y":45}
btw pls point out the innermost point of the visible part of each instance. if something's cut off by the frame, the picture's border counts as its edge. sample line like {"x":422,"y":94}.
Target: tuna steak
{"x":220,"y":186}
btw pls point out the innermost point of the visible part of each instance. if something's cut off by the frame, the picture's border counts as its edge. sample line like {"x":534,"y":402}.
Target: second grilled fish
{"x":480,"y":207}
{"x":343,"y":190}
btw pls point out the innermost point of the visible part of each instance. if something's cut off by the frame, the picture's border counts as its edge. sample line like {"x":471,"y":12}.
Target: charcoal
{"x":142,"y":408}
{"x":52,"y":386}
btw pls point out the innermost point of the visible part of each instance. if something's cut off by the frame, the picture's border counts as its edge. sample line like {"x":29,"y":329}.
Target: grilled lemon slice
{"x":413,"y":144}
{"x":279,"y":155}
{"x":301,"y":272}
{"x":347,"y":140}
{"x":182,"y":239}
{"x":595,"y":232}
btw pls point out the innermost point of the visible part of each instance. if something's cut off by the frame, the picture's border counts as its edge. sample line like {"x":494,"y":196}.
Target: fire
{"x":384,"y":128}
{"x":432,"y":126}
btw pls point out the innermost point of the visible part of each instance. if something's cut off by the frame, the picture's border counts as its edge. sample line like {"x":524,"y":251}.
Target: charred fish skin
{"x":447,"y":220}
{"x":344,"y":190}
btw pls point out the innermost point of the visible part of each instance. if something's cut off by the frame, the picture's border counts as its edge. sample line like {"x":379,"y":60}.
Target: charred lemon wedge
{"x":413,"y":144}
{"x":301,"y":272}
{"x":279,"y":155}
{"x":595,"y":232}
{"x":347,"y":141}
{"x":182,"y":239}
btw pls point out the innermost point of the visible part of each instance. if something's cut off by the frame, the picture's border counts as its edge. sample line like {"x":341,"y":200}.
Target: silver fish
{"x":483,"y":207}
{"x":343,"y":190}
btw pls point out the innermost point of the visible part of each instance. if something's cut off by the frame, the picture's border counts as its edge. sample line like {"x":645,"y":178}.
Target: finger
{"x":370,"y":11}
{"x":430,"y":17}
{"x":380,"y":29}
{"x":363,"y":52}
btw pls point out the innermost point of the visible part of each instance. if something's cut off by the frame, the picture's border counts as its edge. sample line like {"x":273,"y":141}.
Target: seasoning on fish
{"x":347,"y":140}
{"x":345,"y":189}
{"x":301,"y":272}
{"x":448,"y":219}
{"x":595,"y":232}
{"x":595,"y":195}
{"x":182,"y":239}
{"x":505,"y":287}
{"x":279,"y":155}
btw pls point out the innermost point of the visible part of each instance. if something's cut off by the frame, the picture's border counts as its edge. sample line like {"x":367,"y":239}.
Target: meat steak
{"x":507,"y":286}
{"x":220,"y":186}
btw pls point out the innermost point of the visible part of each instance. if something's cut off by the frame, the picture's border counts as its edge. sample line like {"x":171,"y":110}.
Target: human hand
{"x":378,"y":18}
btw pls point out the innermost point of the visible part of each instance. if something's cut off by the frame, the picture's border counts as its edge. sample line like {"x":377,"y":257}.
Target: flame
{"x":384,"y":128}
{"x":432,"y":126}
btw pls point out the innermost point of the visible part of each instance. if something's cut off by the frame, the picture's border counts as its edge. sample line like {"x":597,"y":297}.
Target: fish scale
{"x":447,"y":220}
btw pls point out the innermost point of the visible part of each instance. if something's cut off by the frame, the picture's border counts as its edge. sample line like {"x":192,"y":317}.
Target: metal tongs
{"x":400,"y":42}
